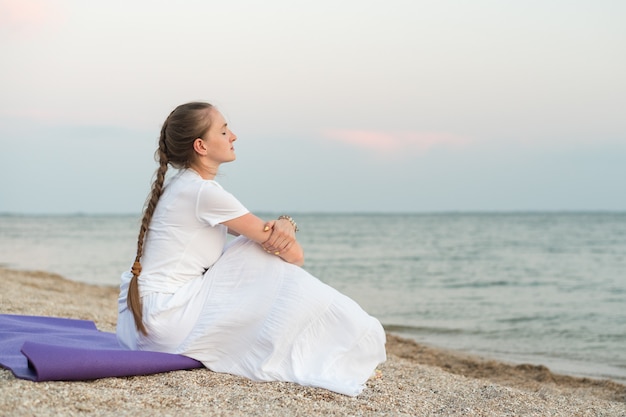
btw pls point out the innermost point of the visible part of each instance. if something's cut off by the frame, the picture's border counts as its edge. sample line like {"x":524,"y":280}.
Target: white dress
{"x":240,"y":310}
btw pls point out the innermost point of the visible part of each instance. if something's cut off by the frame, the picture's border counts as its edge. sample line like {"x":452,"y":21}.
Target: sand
{"x":416,"y":380}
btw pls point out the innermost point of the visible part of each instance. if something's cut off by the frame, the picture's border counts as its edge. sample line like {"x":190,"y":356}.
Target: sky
{"x":339,"y":106}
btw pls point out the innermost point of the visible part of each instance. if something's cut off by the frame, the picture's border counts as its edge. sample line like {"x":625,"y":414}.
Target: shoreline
{"x":416,"y":379}
{"x":584,"y":370}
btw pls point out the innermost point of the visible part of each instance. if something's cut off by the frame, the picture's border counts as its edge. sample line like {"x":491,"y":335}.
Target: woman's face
{"x":218,"y":141}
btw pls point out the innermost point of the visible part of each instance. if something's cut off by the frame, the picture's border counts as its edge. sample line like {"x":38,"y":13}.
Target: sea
{"x":540,"y":288}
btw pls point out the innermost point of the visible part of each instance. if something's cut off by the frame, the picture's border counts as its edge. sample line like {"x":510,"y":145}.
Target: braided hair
{"x":182,"y":127}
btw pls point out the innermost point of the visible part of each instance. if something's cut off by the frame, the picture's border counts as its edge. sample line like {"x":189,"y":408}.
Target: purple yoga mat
{"x":59,"y":349}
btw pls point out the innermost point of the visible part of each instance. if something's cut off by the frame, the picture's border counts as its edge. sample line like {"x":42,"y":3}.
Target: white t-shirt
{"x":185,"y":236}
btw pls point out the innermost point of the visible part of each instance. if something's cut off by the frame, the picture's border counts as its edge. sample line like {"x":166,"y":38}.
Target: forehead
{"x":217,"y":119}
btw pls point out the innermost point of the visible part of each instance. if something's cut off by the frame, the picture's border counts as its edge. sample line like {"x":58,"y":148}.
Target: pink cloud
{"x":393,"y":142}
{"x":28,"y":17}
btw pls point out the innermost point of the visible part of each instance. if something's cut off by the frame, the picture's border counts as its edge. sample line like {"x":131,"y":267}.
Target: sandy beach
{"x":416,"y":380}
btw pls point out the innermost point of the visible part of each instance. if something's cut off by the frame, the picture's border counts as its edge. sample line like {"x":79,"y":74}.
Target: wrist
{"x":290,"y":220}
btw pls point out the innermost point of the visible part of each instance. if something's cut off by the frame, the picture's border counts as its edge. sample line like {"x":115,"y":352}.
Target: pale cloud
{"x":393,"y":142}
{"x":25,"y":18}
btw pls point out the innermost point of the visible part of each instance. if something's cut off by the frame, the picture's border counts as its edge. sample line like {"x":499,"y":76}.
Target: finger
{"x":269,"y":225}
{"x":286,"y":244}
{"x":269,"y":248}
{"x":272,"y":251}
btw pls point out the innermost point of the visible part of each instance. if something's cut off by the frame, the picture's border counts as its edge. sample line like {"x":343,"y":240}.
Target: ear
{"x":198,"y":146}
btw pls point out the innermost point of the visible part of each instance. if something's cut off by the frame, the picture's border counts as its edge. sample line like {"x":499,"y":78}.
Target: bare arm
{"x":276,"y":236}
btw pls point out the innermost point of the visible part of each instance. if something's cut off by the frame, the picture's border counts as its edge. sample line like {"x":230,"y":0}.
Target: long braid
{"x":184,"y":124}
{"x":133,"y":299}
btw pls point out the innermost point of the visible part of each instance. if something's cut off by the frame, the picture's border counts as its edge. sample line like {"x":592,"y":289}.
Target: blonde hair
{"x":182,"y":127}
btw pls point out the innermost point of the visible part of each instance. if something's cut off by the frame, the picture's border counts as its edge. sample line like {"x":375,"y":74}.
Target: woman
{"x":246,"y":307}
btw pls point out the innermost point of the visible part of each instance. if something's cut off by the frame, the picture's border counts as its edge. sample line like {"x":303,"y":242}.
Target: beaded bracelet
{"x":290,"y":220}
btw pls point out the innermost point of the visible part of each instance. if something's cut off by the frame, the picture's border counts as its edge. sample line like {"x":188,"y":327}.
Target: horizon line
{"x":336,"y":212}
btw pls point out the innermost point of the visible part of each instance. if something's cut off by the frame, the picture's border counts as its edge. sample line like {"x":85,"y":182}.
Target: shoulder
{"x":212,"y":194}
{"x":216,"y":205}
{"x":213,"y":188}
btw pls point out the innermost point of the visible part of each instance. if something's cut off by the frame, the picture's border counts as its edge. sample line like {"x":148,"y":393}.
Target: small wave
{"x":524,"y":319}
{"x":480,"y":284}
{"x":398,"y":328}
{"x":498,"y":283}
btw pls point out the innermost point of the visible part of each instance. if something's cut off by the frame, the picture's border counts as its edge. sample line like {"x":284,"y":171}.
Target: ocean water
{"x":540,"y":288}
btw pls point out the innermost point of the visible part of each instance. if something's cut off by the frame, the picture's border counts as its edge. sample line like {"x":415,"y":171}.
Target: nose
{"x":233,"y":137}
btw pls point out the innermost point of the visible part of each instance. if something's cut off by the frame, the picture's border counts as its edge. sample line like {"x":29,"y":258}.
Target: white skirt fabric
{"x":256,"y":316}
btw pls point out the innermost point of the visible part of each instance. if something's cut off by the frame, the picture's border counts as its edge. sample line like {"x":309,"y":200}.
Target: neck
{"x":206,"y":172}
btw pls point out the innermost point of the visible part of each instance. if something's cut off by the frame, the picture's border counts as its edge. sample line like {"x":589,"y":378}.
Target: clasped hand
{"x":282,"y":236}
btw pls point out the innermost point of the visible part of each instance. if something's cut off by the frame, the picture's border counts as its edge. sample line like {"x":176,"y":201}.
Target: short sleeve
{"x":216,"y":205}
